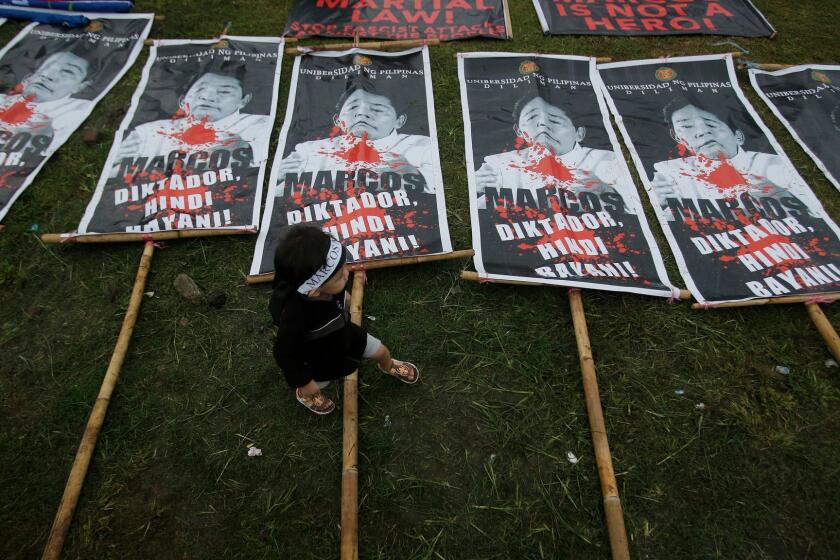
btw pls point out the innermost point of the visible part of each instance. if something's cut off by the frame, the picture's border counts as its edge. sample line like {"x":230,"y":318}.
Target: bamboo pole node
{"x":84,"y":454}
{"x":372,"y":265}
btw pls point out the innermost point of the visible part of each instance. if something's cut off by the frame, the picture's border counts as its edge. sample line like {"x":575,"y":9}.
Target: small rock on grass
{"x":217,"y":300}
{"x":187,"y":288}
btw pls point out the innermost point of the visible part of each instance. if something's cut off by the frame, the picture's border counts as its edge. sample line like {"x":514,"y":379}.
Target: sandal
{"x":317,"y":403}
{"x":404,"y":371}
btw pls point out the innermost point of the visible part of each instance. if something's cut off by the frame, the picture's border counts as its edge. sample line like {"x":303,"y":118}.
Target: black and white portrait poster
{"x":740,"y":220}
{"x":551,"y":199}
{"x":51,"y":78}
{"x":807,"y":100}
{"x":398,"y":19}
{"x":358,"y":157}
{"x":652,"y":17}
{"x":193,"y":148}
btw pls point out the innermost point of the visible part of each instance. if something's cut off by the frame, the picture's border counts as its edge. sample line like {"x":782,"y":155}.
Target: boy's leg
{"x":404,"y":371}
{"x":382,"y":357}
{"x":310,"y":389}
{"x":311,"y":397}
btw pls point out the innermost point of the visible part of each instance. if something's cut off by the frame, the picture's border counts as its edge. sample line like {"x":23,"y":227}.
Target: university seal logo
{"x":820,"y":77}
{"x":528,"y":67}
{"x":665,"y":74}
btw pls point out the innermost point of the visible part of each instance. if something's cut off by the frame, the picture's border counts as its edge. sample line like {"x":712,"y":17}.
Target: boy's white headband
{"x":334,"y":254}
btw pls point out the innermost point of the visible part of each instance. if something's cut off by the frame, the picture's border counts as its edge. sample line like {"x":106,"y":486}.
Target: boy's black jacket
{"x":315,"y":338}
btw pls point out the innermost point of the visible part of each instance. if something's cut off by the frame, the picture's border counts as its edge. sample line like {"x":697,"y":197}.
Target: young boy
{"x":316,"y":342}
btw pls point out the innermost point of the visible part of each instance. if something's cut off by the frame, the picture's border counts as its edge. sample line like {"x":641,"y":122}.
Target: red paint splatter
{"x":18,"y":112}
{"x":197,"y":134}
{"x":725,"y":176}
{"x":550,"y":166}
{"x":361,"y":151}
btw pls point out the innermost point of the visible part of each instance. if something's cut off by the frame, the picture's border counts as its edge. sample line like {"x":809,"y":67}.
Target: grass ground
{"x":469,"y":464}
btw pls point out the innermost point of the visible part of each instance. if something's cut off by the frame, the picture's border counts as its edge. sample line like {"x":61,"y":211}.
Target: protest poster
{"x":740,"y":220}
{"x":652,"y":17}
{"x":52,"y":78}
{"x":551,"y":199}
{"x":807,"y":100}
{"x":192,"y":150}
{"x":358,"y":157}
{"x":446,"y":20}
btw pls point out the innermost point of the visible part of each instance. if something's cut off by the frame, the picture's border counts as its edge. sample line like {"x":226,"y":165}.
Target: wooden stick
{"x":769,"y":66}
{"x":823,"y":298}
{"x":407,"y":43}
{"x":387,"y":263}
{"x":350,"y":450}
{"x":131,"y":237}
{"x":609,"y":488}
{"x":508,"y":26}
{"x":825,"y":329}
{"x":603,"y":59}
{"x":64,"y":515}
{"x":474,"y":277}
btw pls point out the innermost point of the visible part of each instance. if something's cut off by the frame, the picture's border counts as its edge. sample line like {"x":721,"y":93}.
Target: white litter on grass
{"x":783,"y":370}
{"x":254,"y":452}
{"x":700,"y":406}
{"x":492,"y":458}
{"x":572,"y":458}
{"x":829,"y":363}
{"x":387,"y":421}
{"x":679,"y":392}
{"x":149,"y":294}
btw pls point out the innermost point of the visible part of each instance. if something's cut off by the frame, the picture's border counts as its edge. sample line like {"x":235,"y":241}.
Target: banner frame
{"x":130,"y":60}
{"x":640,"y":168}
{"x":775,"y":110}
{"x":644,"y":227}
{"x":440,"y":201}
{"x":119,"y":135}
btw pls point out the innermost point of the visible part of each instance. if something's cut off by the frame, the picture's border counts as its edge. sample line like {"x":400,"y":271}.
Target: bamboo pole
{"x":350,"y":449}
{"x":609,"y":488}
{"x":508,"y":26}
{"x":768,"y":66}
{"x":825,"y":329}
{"x":474,"y":277}
{"x":823,"y":298}
{"x":407,"y":43}
{"x":133,"y":237}
{"x":64,"y":515}
{"x":386,"y":263}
